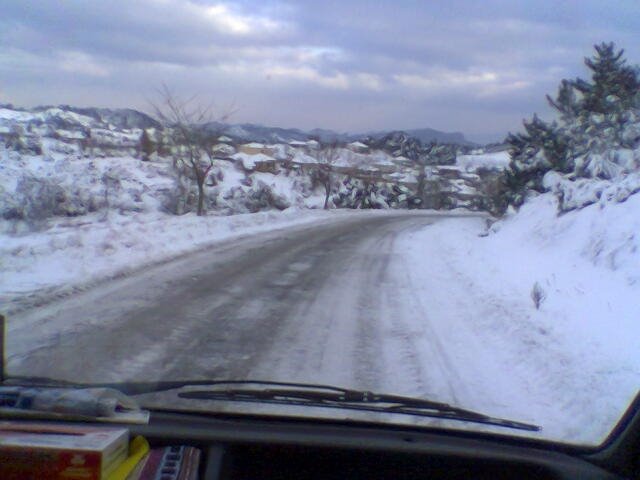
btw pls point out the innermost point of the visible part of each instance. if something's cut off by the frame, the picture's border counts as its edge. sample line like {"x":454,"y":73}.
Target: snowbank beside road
{"x":574,"y":362}
{"x":77,"y":251}
{"x":80,"y":251}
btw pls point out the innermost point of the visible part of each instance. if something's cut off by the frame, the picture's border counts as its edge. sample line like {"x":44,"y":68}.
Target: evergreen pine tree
{"x":566,"y":102}
{"x":541,"y":148}
{"x":593,"y":118}
{"x":611,"y":76}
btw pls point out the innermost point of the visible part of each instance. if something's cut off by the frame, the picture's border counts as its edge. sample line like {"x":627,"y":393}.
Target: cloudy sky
{"x":473,"y":66}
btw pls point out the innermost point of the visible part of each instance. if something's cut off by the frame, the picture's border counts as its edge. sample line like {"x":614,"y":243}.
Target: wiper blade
{"x":139,"y":388}
{"x":299,"y":394}
{"x":332,"y":397}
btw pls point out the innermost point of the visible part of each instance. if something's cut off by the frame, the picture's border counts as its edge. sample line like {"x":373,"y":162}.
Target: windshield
{"x":335,"y":193}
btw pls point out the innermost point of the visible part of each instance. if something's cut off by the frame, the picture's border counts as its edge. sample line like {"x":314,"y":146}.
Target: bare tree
{"x":327,"y":155}
{"x":192,"y":136}
{"x":147,"y":146}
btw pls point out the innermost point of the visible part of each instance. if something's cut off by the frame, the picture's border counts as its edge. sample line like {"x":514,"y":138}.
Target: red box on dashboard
{"x":45,"y":451}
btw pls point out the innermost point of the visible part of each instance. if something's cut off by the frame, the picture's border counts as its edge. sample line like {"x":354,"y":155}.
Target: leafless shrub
{"x":327,"y":155}
{"x":111,"y":184}
{"x":538,"y":295}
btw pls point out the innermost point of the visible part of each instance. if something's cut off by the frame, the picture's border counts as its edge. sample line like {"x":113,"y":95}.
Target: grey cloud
{"x":460,"y":65}
{"x":174,"y":32}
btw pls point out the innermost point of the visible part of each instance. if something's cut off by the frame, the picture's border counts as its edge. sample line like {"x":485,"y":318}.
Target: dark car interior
{"x":248,"y":447}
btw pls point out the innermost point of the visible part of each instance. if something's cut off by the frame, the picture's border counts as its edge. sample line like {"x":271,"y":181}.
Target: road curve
{"x":302,"y":304}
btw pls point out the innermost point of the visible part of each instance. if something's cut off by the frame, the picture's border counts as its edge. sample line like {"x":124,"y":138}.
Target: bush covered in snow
{"x":578,"y":193}
{"x":595,"y":143}
{"x":359,"y":194}
{"x":401,"y":144}
{"x":33,"y":188}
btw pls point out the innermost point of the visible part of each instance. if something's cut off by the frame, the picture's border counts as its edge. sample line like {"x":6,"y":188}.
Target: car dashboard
{"x":248,"y":447}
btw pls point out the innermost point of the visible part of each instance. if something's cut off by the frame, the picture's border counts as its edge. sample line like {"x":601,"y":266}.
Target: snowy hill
{"x":123,"y":118}
{"x":66,"y":161}
{"x":70,"y":117}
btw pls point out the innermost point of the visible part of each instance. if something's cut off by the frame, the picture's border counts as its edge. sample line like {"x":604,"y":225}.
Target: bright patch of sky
{"x":475,"y":67}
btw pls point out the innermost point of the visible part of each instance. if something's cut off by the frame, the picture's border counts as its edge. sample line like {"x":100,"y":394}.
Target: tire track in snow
{"x":414,"y":349}
{"x":439,"y":355}
{"x":338,"y":334}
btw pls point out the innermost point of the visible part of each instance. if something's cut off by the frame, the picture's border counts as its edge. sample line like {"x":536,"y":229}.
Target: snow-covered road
{"x":302,"y":303}
{"x":374,"y":302}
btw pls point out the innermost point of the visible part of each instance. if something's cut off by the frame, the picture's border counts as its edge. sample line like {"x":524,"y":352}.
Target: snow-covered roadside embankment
{"x":75,"y":252}
{"x":574,"y":363}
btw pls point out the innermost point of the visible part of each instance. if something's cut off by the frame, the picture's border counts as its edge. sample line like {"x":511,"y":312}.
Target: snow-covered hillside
{"x":65,"y":161}
{"x":575,"y":363}
{"x":561,"y":278}
{"x":34,"y":189}
{"x":552,"y":288}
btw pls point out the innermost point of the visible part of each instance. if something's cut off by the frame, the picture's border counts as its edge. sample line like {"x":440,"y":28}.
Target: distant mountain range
{"x":428,"y":135}
{"x":125,"y":118}
{"x":260,"y":133}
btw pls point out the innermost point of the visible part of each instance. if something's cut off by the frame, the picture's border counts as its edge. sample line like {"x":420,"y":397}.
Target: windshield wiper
{"x":333,"y":397}
{"x":300,"y":394}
